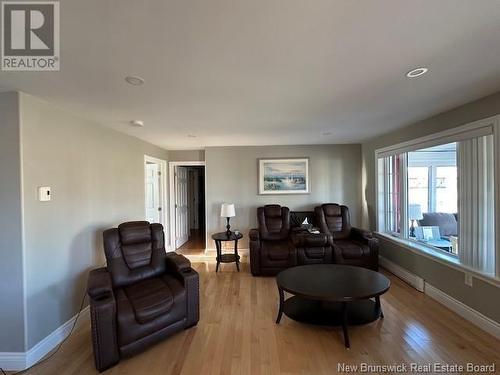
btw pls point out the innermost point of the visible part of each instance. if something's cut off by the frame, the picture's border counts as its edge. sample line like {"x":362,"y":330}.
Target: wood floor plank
{"x":237,"y":335}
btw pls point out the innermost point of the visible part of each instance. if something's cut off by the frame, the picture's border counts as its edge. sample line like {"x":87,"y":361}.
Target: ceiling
{"x":255,"y":72}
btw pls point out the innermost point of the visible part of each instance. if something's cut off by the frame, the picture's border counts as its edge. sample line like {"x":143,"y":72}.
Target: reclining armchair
{"x":352,"y":246}
{"x":313,"y":248}
{"x":143,"y":295}
{"x":270,"y":249}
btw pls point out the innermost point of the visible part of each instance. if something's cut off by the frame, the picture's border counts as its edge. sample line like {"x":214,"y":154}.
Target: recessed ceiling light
{"x":417,"y":72}
{"x":137,"y":123}
{"x":191,"y":136}
{"x":327,"y":133}
{"x":134,"y":80}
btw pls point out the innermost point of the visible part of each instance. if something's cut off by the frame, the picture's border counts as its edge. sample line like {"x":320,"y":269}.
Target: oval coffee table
{"x":331,"y":294}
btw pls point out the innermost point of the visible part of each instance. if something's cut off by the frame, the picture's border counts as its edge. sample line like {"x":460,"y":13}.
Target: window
{"x":441,"y":194}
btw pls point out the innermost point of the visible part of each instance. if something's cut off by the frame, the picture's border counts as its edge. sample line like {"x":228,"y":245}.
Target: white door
{"x":153,"y":202}
{"x":181,"y":206}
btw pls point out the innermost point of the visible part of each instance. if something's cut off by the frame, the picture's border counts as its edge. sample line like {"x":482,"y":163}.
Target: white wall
{"x":11,"y":252}
{"x":232,"y":176}
{"x":186,"y":155}
{"x":97,"y":180}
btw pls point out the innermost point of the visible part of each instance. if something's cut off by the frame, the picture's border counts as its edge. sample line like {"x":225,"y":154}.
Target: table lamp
{"x":227,"y":211}
{"x":414,"y":213}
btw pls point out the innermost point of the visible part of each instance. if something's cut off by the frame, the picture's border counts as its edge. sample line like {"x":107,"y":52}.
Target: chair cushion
{"x":276,"y":250}
{"x":149,"y":298}
{"x":315,"y":252}
{"x":131,"y":329}
{"x":272,"y":210}
{"x":332,"y":210}
{"x":352,"y":249}
{"x":134,"y":232}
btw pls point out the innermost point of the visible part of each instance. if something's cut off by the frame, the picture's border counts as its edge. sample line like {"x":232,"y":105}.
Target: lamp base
{"x":228,"y":228}
{"x":412,"y":228}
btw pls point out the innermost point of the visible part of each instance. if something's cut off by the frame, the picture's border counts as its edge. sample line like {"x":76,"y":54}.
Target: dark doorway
{"x":195,"y":244}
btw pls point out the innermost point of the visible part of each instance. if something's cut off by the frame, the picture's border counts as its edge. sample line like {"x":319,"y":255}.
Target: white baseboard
{"x":15,"y":361}
{"x":466,"y":312}
{"x":415,"y":281}
{"x":460,"y":308}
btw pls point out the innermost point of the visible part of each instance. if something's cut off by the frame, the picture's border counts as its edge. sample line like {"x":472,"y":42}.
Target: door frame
{"x":163,"y":185}
{"x":171,"y":200}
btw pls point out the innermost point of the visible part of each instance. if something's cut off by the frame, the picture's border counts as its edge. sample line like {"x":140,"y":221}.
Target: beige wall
{"x":232,"y":176}
{"x":11,"y":251}
{"x":482,"y":296}
{"x":97,"y":180}
{"x":186,"y":155}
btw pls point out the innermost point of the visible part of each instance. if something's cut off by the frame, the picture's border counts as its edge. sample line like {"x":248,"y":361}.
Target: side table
{"x":227,"y":257}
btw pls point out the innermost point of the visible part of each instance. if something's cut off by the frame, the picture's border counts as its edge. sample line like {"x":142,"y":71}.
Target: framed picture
{"x":284,"y":176}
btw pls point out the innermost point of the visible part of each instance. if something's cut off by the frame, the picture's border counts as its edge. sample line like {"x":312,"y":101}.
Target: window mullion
{"x":403,"y":195}
{"x":431,"y":188}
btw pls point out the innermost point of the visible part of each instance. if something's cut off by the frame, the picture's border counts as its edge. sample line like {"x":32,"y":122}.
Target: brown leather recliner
{"x":352,"y":246}
{"x":313,"y":248}
{"x":270,"y":248}
{"x":143,"y":295}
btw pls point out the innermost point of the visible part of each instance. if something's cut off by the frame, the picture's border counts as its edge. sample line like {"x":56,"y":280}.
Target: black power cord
{"x":58,"y":346}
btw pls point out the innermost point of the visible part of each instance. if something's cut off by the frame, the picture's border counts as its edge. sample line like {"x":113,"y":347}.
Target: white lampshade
{"x":227,"y":210}
{"x":415,"y":212}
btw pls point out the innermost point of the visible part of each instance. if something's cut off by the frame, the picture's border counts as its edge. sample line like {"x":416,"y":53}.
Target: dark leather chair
{"x":270,"y":248}
{"x":143,"y":295}
{"x":351,"y":246}
{"x":313,"y":248}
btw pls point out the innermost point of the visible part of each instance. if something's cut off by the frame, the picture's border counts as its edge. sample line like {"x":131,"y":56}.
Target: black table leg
{"x":379,"y":307}
{"x":218,"y":247}
{"x":344,"y":325}
{"x":282,"y":302}
{"x":236,"y":255}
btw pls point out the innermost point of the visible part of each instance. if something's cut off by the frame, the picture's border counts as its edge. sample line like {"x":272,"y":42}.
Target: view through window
{"x":442,"y":197}
{"x":432,"y":196}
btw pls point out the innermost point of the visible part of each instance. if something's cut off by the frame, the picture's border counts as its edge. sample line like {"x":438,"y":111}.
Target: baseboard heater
{"x":415,"y":281}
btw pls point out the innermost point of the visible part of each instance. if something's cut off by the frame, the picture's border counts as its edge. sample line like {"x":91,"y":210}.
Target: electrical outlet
{"x":468,"y":279}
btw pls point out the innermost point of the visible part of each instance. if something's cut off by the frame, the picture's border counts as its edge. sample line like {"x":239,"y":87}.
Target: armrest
{"x":311,"y":240}
{"x":103,"y":319}
{"x":254,"y":235}
{"x":361,"y":234}
{"x":99,"y":284}
{"x":181,"y":266}
{"x":178,"y":263}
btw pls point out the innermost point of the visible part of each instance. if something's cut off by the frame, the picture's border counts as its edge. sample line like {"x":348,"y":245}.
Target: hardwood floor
{"x":237,"y":335}
{"x":195,"y":245}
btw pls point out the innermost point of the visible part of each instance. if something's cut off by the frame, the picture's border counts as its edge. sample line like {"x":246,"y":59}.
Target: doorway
{"x":154,"y":189}
{"x":187,"y":207}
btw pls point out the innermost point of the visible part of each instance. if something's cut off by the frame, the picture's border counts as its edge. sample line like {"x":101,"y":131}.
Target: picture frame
{"x":283,"y":176}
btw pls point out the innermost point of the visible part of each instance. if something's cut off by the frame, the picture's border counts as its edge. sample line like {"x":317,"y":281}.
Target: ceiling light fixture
{"x":417,"y":72}
{"x":134,"y":80}
{"x":327,"y":133}
{"x":137,"y":123}
{"x":191,"y":136}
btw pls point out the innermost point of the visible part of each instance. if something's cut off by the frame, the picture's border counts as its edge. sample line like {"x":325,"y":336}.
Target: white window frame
{"x":487,"y":126}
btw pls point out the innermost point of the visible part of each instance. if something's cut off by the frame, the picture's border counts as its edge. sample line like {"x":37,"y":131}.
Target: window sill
{"x":439,"y":256}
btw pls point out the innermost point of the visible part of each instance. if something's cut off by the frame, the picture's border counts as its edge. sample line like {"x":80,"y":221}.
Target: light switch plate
{"x":44,"y":193}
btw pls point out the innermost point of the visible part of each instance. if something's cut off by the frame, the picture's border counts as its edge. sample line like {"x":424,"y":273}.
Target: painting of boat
{"x":284,"y":176}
